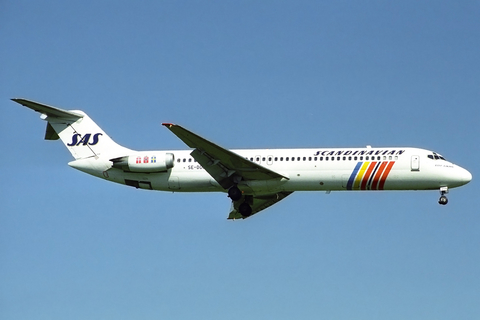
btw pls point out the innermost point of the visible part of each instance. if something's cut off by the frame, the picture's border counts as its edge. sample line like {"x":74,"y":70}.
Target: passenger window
{"x":366,"y":158}
{"x":309,"y":158}
{"x":355,"y":158}
{"x":344,"y":158}
{"x":304,"y":158}
{"x":326,"y":159}
{"x":276,"y":158}
{"x":321,"y":158}
{"x":281,"y":158}
{"x":269,"y":158}
{"x":263,"y":159}
{"x":350,"y":158}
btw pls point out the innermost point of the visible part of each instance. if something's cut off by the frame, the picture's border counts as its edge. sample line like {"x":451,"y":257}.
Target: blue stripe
{"x":354,"y":174}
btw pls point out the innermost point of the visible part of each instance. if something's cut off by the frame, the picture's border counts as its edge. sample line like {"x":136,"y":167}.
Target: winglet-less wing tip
{"x":168,"y":125}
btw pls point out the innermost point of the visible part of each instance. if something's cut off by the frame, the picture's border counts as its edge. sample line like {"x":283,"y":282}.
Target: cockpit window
{"x":435,"y":156}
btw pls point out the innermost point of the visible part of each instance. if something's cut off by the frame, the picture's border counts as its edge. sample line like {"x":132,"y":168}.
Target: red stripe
{"x":367,"y":175}
{"x":385,"y":175}
{"x":378,"y":175}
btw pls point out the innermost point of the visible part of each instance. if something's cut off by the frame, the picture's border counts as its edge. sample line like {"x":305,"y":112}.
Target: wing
{"x":257,"y":204}
{"x":228,"y":169}
{"x":225,"y":166}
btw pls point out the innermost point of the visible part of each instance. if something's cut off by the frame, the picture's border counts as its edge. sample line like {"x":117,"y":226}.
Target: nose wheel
{"x":443,"y":199}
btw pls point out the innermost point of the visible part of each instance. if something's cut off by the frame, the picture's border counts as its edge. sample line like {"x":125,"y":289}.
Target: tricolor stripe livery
{"x":369,"y":175}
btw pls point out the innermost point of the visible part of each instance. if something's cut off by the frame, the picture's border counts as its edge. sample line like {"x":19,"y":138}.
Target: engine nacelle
{"x":145,"y":162}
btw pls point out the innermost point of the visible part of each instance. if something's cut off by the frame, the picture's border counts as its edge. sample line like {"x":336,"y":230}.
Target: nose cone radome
{"x":464,"y":176}
{"x":454,"y":176}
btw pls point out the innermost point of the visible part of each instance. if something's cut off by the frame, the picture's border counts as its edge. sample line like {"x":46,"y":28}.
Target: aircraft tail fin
{"x":80,"y":134}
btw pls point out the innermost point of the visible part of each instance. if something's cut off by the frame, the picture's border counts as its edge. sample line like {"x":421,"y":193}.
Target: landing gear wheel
{"x":245,"y":210}
{"x":443,"y":200}
{"x":234,"y":193}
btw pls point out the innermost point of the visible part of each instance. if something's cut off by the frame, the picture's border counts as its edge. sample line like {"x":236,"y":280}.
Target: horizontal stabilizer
{"x":80,"y":134}
{"x":49,"y":111}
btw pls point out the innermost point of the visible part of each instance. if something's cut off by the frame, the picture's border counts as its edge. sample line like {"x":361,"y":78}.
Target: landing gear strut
{"x":443,"y":199}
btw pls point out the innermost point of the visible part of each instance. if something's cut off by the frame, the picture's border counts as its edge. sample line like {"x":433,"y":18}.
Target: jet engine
{"x":145,"y":162}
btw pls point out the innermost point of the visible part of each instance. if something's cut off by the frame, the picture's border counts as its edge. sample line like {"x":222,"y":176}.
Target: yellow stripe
{"x":360,"y":175}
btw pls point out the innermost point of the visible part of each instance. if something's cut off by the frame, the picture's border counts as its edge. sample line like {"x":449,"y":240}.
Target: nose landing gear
{"x":443,"y":199}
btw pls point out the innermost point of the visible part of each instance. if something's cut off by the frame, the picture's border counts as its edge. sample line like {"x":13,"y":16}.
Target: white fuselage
{"x":254,"y":179}
{"x":332,"y":169}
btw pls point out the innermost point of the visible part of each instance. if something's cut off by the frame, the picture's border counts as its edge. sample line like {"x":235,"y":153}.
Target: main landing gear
{"x":245,"y":210}
{"x":236,"y":194}
{"x":443,"y":199}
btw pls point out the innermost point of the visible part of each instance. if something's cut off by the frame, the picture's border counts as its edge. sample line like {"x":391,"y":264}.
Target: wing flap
{"x":219,"y":173}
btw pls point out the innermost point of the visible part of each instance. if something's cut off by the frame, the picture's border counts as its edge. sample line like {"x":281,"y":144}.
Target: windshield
{"x":435,"y":156}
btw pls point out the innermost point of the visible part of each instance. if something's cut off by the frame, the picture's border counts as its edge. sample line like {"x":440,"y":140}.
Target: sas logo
{"x":85,"y":140}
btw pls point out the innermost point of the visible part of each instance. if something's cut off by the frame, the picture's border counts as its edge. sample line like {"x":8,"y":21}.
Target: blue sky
{"x":244,"y":74}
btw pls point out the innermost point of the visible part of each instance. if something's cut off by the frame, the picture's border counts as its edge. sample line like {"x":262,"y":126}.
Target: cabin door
{"x":415,"y":163}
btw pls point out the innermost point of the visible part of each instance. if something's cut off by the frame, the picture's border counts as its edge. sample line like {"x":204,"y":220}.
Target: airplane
{"x":254,"y":179}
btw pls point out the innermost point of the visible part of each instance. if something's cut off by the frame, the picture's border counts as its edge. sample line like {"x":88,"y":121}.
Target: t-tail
{"x":80,"y":134}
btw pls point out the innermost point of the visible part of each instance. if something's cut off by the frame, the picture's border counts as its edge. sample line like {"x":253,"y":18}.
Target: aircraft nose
{"x":464,"y":176}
